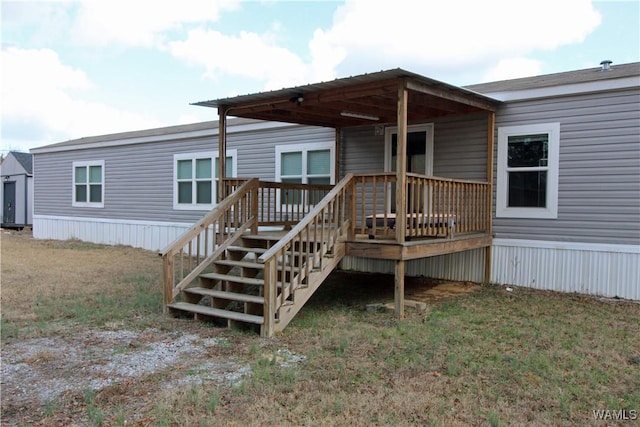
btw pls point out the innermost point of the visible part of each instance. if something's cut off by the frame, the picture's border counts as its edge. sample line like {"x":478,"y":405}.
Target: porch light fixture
{"x":297,"y":99}
{"x":359,"y":115}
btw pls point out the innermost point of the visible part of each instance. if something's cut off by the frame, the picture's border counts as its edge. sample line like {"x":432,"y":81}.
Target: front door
{"x":9,"y":203}
{"x":419,"y":158}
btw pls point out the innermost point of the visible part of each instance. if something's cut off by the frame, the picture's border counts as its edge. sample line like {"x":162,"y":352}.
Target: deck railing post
{"x":168,"y":279}
{"x":270,"y":284}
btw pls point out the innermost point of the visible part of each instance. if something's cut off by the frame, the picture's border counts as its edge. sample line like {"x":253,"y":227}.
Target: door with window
{"x":419,"y":160}
{"x":9,"y":203}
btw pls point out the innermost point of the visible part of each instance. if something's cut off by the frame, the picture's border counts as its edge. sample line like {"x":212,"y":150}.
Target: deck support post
{"x":401,"y":165}
{"x":222,"y":151}
{"x":491,"y":120}
{"x":399,"y":289}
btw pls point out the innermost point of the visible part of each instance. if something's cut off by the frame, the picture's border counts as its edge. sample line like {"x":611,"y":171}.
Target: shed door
{"x":9,"y":203}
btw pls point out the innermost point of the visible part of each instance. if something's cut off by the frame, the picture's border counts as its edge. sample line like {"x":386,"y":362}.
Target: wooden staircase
{"x":224,"y":270}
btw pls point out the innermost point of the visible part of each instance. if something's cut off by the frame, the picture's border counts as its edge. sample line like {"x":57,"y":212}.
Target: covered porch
{"x":397,"y":214}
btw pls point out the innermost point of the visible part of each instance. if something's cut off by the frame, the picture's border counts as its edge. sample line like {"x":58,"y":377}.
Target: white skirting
{"x":153,"y":236}
{"x":586,"y":268}
{"x":596,"y":269}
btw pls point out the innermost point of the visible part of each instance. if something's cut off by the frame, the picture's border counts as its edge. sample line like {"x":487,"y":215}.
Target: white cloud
{"x":492,"y":38}
{"x":41,"y":102}
{"x":141,"y":22}
{"x":247,"y":55}
{"x":512,"y":69}
{"x":450,"y":34}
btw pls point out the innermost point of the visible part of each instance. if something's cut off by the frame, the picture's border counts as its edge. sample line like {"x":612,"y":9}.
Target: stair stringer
{"x":329,"y":263}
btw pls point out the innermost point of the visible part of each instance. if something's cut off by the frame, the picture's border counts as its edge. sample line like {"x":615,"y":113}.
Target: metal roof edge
{"x":567,"y":89}
{"x":170,"y":133}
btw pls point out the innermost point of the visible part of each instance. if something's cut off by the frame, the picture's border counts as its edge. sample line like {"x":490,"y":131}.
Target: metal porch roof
{"x":358,"y":100}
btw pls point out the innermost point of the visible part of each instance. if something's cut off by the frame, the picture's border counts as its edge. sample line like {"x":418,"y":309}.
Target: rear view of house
{"x":16,"y":174}
{"x":531,"y":182}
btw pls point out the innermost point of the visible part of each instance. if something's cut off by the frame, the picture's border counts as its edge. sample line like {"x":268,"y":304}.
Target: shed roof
{"x":352,"y":101}
{"x":24,"y":159}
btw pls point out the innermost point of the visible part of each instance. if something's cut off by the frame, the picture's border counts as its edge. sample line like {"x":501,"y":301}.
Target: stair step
{"x":216,"y":312}
{"x":231,"y":296}
{"x":263,"y":237}
{"x":244,"y":249}
{"x":243,"y":264}
{"x":233,"y":279}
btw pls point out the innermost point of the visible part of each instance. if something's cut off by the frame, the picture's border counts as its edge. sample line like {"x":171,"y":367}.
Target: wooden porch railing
{"x":207,"y":239}
{"x":436,"y":207}
{"x":291,"y":263}
{"x":282,"y":203}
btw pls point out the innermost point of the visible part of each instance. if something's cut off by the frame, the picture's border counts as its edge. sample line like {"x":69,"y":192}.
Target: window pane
{"x":318,"y":162}
{"x":527,"y":189}
{"x":81,"y":193}
{"x":291,"y":164}
{"x":95,"y":174}
{"x":184,"y":192}
{"x":203,"y":168}
{"x":81,"y":174}
{"x":228,"y":171}
{"x":184,"y":169}
{"x":95,"y":193}
{"x":203,"y":192}
{"x":528,"y":150}
{"x":319,"y":180}
{"x":228,"y":167}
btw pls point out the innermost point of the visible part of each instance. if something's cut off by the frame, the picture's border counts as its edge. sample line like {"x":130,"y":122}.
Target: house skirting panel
{"x":153,"y":236}
{"x":587,"y":268}
{"x":462,"y":266}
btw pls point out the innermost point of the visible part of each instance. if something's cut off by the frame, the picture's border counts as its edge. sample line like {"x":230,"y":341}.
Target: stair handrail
{"x":225,"y":207}
{"x":307,"y":220}
{"x":338,"y":221}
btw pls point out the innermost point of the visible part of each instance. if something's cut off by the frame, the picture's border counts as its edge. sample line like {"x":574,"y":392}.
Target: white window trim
{"x":428,"y":128}
{"x":87,"y":204}
{"x":304,"y":149}
{"x":551,"y":209}
{"x":213,"y":155}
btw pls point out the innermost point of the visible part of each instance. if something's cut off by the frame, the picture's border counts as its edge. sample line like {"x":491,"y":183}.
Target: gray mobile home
{"x":16,"y":174}
{"x":531,"y":182}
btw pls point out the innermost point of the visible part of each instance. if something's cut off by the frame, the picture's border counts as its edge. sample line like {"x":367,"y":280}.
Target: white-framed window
{"x":195,"y":179}
{"x":527,"y":179}
{"x":312,"y":163}
{"x":88,"y":184}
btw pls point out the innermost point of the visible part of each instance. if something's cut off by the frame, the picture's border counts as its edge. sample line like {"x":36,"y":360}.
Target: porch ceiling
{"x":374,"y":95}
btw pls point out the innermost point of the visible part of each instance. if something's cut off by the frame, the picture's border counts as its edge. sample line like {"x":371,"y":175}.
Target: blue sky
{"x":72,"y":69}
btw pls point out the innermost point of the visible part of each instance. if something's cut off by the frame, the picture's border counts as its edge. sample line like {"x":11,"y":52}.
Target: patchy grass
{"x":485,"y":358}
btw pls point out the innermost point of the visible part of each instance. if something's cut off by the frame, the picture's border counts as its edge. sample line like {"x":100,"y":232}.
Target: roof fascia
{"x":567,"y":89}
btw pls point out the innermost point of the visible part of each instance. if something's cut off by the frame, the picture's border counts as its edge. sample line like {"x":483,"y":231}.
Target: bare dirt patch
{"x":58,"y":358}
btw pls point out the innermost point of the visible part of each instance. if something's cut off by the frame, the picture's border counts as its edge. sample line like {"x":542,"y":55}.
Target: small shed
{"x":16,"y":173}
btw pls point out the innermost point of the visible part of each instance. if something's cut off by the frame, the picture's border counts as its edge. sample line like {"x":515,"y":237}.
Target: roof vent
{"x":606,"y":65}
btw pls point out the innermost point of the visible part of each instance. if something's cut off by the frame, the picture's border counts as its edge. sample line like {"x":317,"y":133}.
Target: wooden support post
{"x":222,"y":151}
{"x":168,"y":279}
{"x":491,"y":120}
{"x":269,"y":308}
{"x":399,"y":289}
{"x":336,"y":173}
{"x":401,"y":165}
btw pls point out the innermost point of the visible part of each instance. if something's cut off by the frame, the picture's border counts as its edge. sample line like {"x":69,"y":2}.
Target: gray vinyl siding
{"x":459,"y":148}
{"x":599,"y":168}
{"x":139,"y":177}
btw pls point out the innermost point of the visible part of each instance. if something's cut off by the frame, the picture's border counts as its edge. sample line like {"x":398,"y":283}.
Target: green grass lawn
{"x":490,"y":357}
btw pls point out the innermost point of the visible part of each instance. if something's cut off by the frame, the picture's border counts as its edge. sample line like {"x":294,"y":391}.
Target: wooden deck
{"x":227,"y":267}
